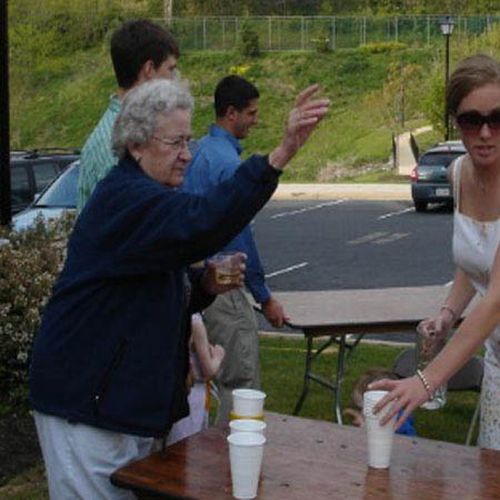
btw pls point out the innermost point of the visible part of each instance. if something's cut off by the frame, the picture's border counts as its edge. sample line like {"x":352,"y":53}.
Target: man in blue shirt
{"x":230,"y":320}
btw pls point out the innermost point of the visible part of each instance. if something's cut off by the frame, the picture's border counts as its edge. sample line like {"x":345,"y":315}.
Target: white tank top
{"x":475,"y":243}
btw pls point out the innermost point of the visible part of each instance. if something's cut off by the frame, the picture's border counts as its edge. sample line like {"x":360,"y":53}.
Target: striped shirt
{"x":97,"y":157}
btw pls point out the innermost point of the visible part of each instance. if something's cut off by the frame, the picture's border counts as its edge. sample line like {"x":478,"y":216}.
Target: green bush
{"x":249,"y":42}
{"x":321,"y":44}
{"x":382,"y":47}
{"x":29,"y":263}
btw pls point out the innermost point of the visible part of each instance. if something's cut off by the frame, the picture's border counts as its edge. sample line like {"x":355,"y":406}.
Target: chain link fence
{"x":303,"y":33}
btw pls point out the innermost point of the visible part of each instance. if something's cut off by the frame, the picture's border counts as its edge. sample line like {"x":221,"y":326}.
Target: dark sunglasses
{"x":473,"y":121}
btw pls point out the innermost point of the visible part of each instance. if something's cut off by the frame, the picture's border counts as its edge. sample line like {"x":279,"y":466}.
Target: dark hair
{"x":136,"y":42}
{"x":472,"y":73}
{"x":233,"y":91}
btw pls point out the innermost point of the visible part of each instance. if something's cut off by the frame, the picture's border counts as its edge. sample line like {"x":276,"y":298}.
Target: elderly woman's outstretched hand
{"x":406,"y":394}
{"x":302,"y":120}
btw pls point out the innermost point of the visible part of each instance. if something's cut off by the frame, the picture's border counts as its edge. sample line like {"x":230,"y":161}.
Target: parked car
{"x":429,"y":179}
{"x":58,"y":197}
{"x":33,"y":171}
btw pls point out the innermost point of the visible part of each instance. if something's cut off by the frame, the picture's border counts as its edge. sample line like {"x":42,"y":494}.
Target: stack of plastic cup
{"x":247,"y":425}
{"x":246,"y":450}
{"x":379,"y":437}
{"x":248,"y":403}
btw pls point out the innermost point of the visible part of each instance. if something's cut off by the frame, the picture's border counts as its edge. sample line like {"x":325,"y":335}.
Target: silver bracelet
{"x":425,"y":383}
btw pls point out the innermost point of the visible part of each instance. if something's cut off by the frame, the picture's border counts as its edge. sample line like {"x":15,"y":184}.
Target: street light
{"x":446,"y":26}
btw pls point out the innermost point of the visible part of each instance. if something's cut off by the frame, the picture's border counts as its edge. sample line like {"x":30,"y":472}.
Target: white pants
{"x":79,"y":458}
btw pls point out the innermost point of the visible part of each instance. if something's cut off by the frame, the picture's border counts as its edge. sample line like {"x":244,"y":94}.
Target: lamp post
{"x":446,"y":26}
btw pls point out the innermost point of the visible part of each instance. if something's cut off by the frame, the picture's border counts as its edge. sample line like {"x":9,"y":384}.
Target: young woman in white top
{"x":473,"y":99}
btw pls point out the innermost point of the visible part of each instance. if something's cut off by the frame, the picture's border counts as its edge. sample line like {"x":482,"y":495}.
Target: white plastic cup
{"x":370,"y":399}
{"x":246,"y":450}
{"x":248,"y":403}
{"x":247,"y":425}
{"x":379,"y":438}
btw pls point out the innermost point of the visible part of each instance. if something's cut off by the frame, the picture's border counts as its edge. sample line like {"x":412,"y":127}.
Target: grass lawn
{"x":57,"y":101}
{"x":282,"y":374}
{"x":282,"y":362}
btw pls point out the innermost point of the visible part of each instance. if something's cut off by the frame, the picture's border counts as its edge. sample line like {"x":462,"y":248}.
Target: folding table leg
{"x":339,"y":378}
{"x":307,"y":372}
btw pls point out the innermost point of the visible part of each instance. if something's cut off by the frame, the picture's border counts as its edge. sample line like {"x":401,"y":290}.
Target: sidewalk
{"x":405,"y":158}
{"x":343,"y":191}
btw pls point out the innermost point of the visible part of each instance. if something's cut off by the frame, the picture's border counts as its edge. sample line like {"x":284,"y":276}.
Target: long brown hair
{"x":472,"y":73}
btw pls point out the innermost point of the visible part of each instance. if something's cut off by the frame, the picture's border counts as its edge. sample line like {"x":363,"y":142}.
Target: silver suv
{"x":429,"y":179}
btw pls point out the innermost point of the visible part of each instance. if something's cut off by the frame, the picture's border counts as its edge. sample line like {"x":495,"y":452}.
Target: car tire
{"x":420,"y":206}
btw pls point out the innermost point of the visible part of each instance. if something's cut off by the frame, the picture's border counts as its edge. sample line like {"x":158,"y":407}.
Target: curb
{"x":376,"y":192}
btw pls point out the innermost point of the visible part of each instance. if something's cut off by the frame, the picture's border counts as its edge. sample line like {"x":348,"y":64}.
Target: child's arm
{"x":209,"y":356}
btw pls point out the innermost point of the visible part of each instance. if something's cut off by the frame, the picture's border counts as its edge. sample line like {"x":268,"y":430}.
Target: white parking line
{"x":367,"y":238}
{"x":287,"y":269}
{"x":391,"y":238}
{"x":307,"y":209}
{"x":392,"y":214}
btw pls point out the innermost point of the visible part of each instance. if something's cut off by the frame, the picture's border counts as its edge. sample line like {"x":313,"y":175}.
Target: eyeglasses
{"x":177,"y":143}
{"x":473,"y":121}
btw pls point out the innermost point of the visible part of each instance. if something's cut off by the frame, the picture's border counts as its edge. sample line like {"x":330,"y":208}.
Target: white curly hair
{"x":141,"y":107}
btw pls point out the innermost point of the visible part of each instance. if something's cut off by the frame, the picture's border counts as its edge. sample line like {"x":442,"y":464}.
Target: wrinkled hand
{"x":274,"y":312}
{"x":302,"y":120}
{"x":209,"y":279}
{"x":406,"y":394}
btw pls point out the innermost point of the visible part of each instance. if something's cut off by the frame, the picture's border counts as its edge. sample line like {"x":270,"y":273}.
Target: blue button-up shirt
{"x":216,"y":159}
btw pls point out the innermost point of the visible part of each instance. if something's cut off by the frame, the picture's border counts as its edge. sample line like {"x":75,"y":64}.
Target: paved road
{"x":341,"y":244}
{"x":353,"y":244}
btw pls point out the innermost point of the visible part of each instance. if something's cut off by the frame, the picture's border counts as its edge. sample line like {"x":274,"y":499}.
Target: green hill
{"x":58,"y":102}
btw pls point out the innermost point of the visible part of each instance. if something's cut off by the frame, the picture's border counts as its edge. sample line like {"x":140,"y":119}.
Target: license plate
{"x":442,"y":192}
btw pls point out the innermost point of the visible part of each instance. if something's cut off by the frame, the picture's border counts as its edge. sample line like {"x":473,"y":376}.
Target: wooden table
{"x":337,"y":314}
{"x":316,"y":460}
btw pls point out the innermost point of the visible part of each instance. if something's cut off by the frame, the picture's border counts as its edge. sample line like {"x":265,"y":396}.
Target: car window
{"x":62,"y":192}
{"x":66,"y":162}
{"x":438,"y":159}
{"x":20,"y":185}
{"x":44,"y":173}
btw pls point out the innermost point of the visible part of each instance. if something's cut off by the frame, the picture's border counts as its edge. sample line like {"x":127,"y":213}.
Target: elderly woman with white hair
{"x":110,"y":362}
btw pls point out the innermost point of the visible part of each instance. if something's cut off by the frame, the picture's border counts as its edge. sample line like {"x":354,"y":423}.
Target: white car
{"x":58,"y":198}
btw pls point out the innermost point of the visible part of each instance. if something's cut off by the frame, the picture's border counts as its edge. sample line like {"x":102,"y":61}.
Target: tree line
{"x":22,"y":9}
{"x":326,"y":7}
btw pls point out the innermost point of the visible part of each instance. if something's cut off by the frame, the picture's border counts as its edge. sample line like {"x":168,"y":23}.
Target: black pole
{"x":446,"y":77}
{"x":5,"y":205}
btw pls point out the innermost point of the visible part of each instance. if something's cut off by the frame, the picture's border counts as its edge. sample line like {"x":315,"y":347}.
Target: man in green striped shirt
{"x":140,"y":50}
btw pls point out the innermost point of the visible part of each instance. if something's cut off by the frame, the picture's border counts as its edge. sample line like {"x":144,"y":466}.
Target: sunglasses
{"x":473,"y":121}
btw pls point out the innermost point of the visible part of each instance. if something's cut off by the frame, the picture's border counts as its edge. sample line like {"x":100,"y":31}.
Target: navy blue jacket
{"x":111,"y":351}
